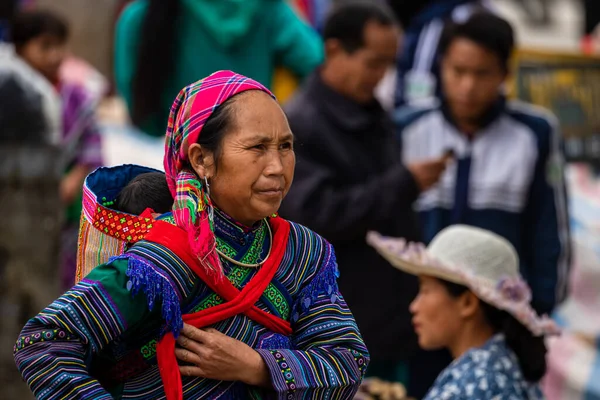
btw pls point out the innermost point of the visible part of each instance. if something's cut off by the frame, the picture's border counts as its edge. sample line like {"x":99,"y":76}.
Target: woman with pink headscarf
{"x":246,"y":300}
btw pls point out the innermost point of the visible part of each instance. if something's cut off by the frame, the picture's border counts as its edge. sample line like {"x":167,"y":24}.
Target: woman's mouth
{"x":416,"y":326}
{"x":273,"y":192}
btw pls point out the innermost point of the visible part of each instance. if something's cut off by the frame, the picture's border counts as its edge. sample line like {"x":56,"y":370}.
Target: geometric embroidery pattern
{"x":122,"y":226}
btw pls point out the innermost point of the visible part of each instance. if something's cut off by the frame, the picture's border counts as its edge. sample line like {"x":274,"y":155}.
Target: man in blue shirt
{"x":507,"y":175}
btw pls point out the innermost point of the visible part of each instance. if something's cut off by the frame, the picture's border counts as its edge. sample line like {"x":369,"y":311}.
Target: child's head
{"x":40,"y":38}
{"x":148,"y":190}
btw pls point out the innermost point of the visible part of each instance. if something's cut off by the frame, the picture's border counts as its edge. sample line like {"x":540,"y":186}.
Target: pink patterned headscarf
{"x":192,"y":108}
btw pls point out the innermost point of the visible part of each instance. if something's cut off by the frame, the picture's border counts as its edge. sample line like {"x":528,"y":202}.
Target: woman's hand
{"x":219,"y":357}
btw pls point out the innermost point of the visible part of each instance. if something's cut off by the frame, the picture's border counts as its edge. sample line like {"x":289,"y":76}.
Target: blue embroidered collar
{"x":243,"y":244}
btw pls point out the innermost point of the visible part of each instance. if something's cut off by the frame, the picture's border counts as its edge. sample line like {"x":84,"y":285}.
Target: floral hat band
{"x":482,"y":261}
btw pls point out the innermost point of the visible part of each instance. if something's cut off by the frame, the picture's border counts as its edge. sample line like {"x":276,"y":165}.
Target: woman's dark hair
{"x":530,"y":350}
{"x":347,"y":22}
{"x":148,"y":190}
{"x":487,"y":30}
{"x":154,"y":59}
{"x":32,"y":24}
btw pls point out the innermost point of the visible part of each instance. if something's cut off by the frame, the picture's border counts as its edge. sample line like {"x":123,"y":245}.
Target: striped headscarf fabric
{"x":191,"y":110}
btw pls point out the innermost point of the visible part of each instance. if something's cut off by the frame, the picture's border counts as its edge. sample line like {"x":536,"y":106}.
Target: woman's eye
{"x":259,"y":147}
{"x":286,"y":146}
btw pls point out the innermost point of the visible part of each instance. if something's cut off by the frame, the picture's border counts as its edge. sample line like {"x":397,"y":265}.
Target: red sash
{"x":237,"y":302}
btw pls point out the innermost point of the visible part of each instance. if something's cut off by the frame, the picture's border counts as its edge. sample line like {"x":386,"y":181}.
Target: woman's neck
{"x":472,"y":336}
{"x":244,"y":226}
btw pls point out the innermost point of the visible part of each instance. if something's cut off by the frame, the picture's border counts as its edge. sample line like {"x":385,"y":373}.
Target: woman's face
{"x":436,"y":314}
{"x":257,"y":160}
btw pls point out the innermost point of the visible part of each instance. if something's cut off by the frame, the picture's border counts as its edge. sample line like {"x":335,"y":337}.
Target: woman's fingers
{"x":187,"y":356}
{"x":190,"y":344}
{"x":194,"y":333}
{"x":192,"y":371}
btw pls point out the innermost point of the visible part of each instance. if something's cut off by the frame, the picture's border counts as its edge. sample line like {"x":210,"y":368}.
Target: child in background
{"x":40,"y":39}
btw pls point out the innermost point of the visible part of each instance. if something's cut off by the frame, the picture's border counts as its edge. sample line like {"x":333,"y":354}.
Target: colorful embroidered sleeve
{"x":330,"y":357}
{"x":53,"y":349}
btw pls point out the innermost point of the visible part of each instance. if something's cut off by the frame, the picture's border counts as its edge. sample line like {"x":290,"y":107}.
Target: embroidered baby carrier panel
{"x":103,"y":231}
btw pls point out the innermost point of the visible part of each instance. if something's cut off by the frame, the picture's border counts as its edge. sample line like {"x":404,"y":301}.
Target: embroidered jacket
{"x":99,"y":339}
{"x":508,"y":179}
{"x":487,"y":373}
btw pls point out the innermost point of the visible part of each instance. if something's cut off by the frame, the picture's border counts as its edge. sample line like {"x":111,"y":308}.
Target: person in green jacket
{"x":161,"y":46}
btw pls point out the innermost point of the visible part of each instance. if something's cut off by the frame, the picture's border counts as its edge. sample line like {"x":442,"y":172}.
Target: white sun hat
{"x":482,"y":261}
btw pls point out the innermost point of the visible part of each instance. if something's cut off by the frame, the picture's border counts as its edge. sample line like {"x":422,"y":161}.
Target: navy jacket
{"x":508,"y":179}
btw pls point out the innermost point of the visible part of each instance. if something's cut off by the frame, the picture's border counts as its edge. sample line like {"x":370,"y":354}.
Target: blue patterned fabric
{"x":490,"y":372}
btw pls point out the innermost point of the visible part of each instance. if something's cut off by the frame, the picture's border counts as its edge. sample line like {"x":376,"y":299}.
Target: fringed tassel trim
{"x":145,"y":276}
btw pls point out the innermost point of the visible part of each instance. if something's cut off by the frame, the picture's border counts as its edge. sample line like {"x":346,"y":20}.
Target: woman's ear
{"x":201,"y":161}
{"x":469,"y":305}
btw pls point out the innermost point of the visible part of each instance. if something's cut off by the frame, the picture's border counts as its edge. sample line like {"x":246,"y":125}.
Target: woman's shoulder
{"x":308,"y":253}
{"x":493,"y":357}
{"x":312,"y":244}
{"x":485,"y":372}
{"x":131,"y":17}
{"x":134,"y":9}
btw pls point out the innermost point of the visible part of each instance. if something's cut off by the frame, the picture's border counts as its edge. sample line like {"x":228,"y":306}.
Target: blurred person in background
{"x":507,"y":175}
{"x":160,"y":46}
{"x":574,"y":357}
{"x":473,"y":301}
{"x":423,"y":21}
{"x":29,"y":106}
{"x":40,"y":39}
{"x":349,"y":178}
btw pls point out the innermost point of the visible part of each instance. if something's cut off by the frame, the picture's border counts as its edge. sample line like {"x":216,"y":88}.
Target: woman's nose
{"x":275,"y":164}
{"x":413,"y":306}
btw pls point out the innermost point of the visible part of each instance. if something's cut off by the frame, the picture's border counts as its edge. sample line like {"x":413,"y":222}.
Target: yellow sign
{"x":569,"y":85}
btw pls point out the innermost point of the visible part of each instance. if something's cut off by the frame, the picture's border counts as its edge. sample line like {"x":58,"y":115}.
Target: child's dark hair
{"x":32,"y":24}
{"x":487,"y":30}
{"x":530,"y":350}
{"x":148,"y":190}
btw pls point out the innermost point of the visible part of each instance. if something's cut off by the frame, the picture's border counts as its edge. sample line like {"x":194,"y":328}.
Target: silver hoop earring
{"x":211,"y":211}
{"x":207,"y":186}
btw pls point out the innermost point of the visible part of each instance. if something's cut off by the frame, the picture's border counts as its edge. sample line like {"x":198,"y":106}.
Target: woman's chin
{"x":268,"y":207}
{"x":426,"y":344}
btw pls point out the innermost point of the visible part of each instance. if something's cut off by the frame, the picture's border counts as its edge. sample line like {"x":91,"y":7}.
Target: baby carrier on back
{"x":105,"y":232}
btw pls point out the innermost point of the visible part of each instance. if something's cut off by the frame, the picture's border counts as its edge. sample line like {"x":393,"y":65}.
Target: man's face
{"x":471,"y":78}
{"x":364,"y":68}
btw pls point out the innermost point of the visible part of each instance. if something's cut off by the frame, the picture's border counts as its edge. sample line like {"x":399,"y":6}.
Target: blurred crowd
{"x":403,"y":124}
